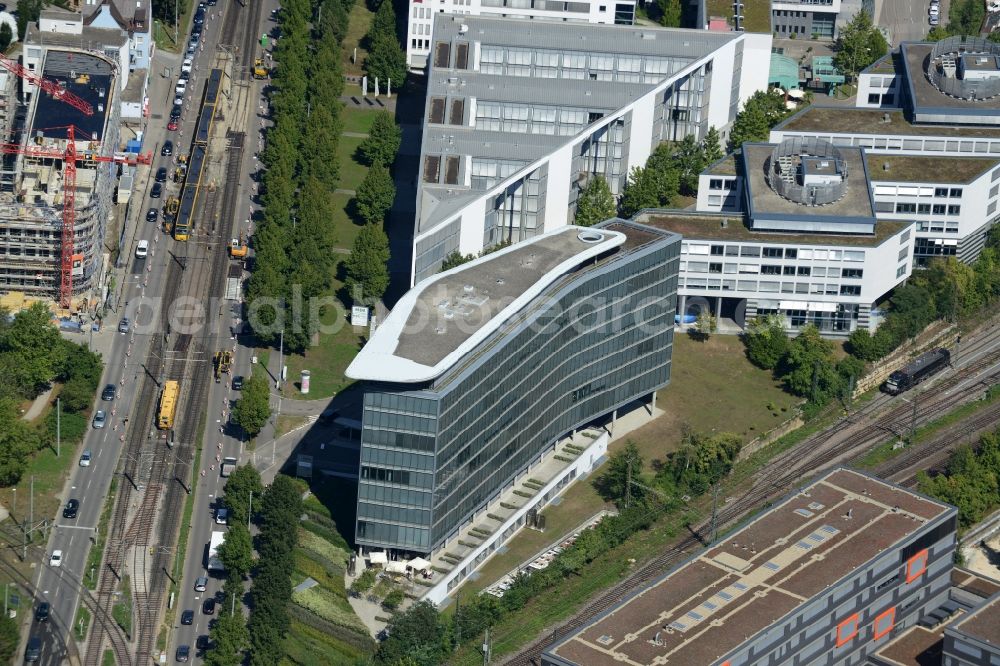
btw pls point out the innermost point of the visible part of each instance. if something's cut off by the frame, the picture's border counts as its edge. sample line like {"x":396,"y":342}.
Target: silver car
{"x":85,"y":458}
{"x":99,"y":419}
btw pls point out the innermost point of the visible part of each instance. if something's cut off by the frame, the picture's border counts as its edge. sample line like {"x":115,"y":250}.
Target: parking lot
{"x":906,"y":20}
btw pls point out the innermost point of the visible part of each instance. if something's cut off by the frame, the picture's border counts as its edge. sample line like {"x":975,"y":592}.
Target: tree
{"x":613,"y":482}
{"x":766,"y":341}
{"x":27,"y":12}
{"x":712,"y":145}
{"x":236,"y":552}
{"x":706,"y":324}
{"x":670,"y":13}
{"x":418,"y":633}
{"x":595,"y":204}
{"x":689,"y":161}
{"x":375,"y":194}
{"x":253,"y":409}
{"x":652,"y":186}
{"x":386,"y":62}
{"x":76,"y":395}
{"x":6,"y":37}
{"x":363,"y":583}
{"x":393,"y":599}
{"x":241,"y":485}
{"x":229,"y":638}
{"x":383,"y":141}
{"x":368,"y":265}
{"x":810,"y":371}
{"x":760,"y":113}
{"x":384,"y":22}
{"x":701,"y":461}
{"x":34,"y":341}
{"x":859,"y":45}
{"x":455,"y":259}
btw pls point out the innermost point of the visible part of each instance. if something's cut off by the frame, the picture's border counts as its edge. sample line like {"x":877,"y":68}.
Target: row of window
{"x":927,"y":209}
{"x":721,"y":183}
{"x":771,"y":252}
{"x":938,"y":226}
{"x":815,"y":288}
{"x":916,"y":144}
{"x":769,"y":269}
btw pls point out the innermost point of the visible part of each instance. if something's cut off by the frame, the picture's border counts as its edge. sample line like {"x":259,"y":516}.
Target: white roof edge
{"x":377,"y":360}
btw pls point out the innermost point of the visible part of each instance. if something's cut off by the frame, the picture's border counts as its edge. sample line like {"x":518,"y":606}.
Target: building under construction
{"x":75,"y":97}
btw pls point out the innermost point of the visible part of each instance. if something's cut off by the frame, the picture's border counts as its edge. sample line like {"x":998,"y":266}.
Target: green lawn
{"x":713,"y":386}
{"x":352,"y":172}
{"x":344,"y":228}
{"x":359,"y":120}
{"x":327,"y":360}
{"x":361,"y":20}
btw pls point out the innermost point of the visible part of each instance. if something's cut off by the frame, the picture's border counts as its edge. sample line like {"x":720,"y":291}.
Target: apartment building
{"x":422,"y":14}
{"x":788,"y":229}
{"x":520,"y":115}
{"x":828,"y":576}
{"x":479,"y":371}
{"x":805,"y":19}
{"x":974,"y":640}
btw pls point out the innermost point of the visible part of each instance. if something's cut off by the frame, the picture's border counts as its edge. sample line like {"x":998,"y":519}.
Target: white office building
{"x":789,"y":229}
{"x":420,"y":19}
{"x":520,"y":115}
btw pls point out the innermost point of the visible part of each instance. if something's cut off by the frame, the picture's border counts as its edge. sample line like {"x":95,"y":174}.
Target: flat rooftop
{"x":724,"y":167}
{"x":983,"y":623}
{"x":927,"y":169}
{"x":697,"y":226}
{"x":840,"y":120}
{"x":93,"y":82}
{"x":447,"y":316}
{"x":918,"y":646}
{"x":887,"y":64}
{"x":710,"y":605}
{"x":925,"y":95}
{"x":856,"y":202}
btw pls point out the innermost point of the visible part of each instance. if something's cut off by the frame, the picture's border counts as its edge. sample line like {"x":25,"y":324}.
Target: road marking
{"x":76,"y":527}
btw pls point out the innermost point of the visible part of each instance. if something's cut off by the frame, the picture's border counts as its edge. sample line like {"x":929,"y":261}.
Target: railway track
{"x":794,"y":466}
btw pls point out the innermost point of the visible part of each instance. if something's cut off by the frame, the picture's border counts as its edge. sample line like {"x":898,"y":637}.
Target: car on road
{"x":42,"y":612}
{"x":187,"y":64}
{"x":33,"y":652}
{"x":238,"y":383}
{"x":142,"y":249}
{"x":71,"y":508}
{"x":222,"y":516}
{"x":124,"y":325}
{"x":187,"y":617}
{"x":196,"y":33}
{"x":168,"y":148}
{"x":55,"y":559}
{"x":933,"y":19}
{"x":208,"y":608}
{"x":152,"y":215}
{"x":199,"y":17}
{"x":178,"y":100}
{"x":85,"y":458}
{"x":181,"y":87}
{"x":200,"y":584}
{"x":183,"y":653}
{"x":156,"y":191}
{"x":161,"y":175}
{"x":100,"y":418}
{"x":109,"y":392}
{"x":172,"y":125}
{"x":203,"y":642}
{"x":177,"y":109}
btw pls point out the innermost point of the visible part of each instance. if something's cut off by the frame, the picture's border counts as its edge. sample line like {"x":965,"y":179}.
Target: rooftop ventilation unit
{"x":807,"y":171}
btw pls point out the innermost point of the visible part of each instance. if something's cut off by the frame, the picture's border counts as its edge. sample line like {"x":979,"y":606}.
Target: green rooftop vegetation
{"x":756,"y":13}
{"x":912,"y":168}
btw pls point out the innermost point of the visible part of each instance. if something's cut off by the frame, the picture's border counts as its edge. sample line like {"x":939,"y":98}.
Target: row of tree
{"x":229,"y":636}
{"x":253,"y":408}
{"x":294,"y":241}
{"x":32,"y":356}
{"x":972,"y":481}
{"x":386,"y":59}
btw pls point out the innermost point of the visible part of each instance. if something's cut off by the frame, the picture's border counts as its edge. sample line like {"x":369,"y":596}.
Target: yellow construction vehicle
{"x":237,"y":248}
{"x":259,"y":69}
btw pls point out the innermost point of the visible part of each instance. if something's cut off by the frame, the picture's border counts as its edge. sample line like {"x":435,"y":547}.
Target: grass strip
{"x":122,"y":610}
{"x":182,"y":540}
{"x":100,"y":538}
{"x":81,"y":623}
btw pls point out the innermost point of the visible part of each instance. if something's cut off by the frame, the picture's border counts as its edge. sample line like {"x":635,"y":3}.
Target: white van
{"x":142,"y":249}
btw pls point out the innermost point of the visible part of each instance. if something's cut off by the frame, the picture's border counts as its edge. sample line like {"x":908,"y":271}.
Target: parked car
{"x":109,"y":392}
{"x":172,"y":125}
{"x":238,"y":382}
{"x":208,"y":607}
{"x":187,"y":64}
{"x":56,"y":558}
{"x":33,"y":652}
{"x":71,"y":508}
{"x":142,"y":249}
{"x":155,"y":191}
{"x":161,"y":175}
{"x":187,"y":617}
{"x":200,"y":584}
{"x":933,"y":19}
{"x":181,"y":87}
{"x":175,"y":112}
{"x":222,"y":516}
{"x":183,"y":653}
{"x":100,"y":418}
{"x":85,"y":458}
{"x":124,"y":325}
{"x":152,"y":215}
{"x":203,"y":642}
{"x":42,"y":612}
{"x":168,"y":148}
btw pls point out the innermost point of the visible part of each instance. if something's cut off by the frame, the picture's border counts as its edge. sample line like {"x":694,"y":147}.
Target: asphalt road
{"x":906,"y":20}
{"x":61,"y":586}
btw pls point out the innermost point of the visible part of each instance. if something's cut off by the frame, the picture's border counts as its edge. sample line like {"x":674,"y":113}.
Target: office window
{"x":788,"y":270}
{"x":940,"y":191}
{"x":939,"y":209}
{"x":847,"y":630}
{"x":954,"y":209}
{"x":853,"y":273}
{"x":791,"y":253}
{"x":772,"y":252}
{"x":770,"y":270}
{"x":715,"y":268}
{"x":804,"y":270}
{"x":903,"y":207}
{"x":923,"y":209}
{"x":850,"y":290}
{"x":955,"y":192}
{"x":884,"y":623}
{"x":717,"y":250}
{"x":715,"y":184}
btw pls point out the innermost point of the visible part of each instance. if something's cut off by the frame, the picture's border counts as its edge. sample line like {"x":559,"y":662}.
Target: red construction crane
{"x":51,"y":87}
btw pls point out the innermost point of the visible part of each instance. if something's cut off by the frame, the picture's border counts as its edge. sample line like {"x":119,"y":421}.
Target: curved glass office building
{"x":480,"y":370}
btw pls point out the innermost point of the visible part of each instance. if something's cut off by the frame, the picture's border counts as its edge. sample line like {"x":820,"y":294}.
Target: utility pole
{"x":487,"y":648}
{"x":913,"y":418}
{"x":58,"y":426}
{"x":715,"y":511}
{"x":250,"y":510}
{"x":281,"y":360}
{"x":628,"y":482}
{"x":177,"y":19}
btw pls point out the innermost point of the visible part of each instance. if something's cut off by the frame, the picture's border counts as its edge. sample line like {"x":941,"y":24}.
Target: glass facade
{"x":595,"y":340}
{"x":553,"y":64}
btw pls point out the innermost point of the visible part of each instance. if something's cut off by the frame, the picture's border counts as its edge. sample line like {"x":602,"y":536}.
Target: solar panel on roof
{"x":725,"y":595}
{"x":771,"y":565}
{"x":678,"y":625}
{"x":693,"y":615}
{"x":804,"y":545}
{"x":830,"y":529}
{"x":816,"y":537}
{"x":740,"y":586}
{"x":805,"y":513}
